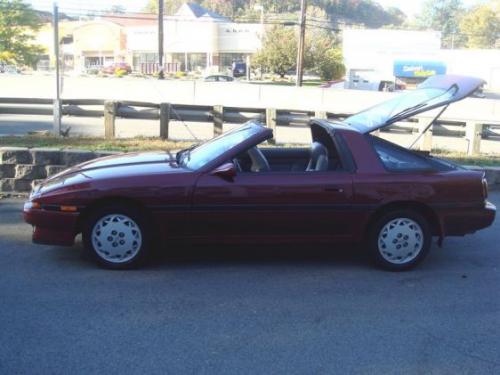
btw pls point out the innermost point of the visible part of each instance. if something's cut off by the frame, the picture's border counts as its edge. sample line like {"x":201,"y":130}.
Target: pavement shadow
{"x":221,"y":256}
{"x":259,"y":255}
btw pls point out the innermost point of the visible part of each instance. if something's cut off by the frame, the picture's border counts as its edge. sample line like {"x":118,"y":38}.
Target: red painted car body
{"x":282,"y":195}
{"x":277,"y":206}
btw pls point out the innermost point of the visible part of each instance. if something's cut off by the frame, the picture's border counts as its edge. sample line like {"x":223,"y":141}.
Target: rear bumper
{"x":52,"y":227}
{"x":459,"y":222}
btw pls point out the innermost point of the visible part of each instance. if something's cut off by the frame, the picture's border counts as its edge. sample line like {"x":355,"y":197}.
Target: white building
{"x":194,"y":39}
{"x":415,"y":55}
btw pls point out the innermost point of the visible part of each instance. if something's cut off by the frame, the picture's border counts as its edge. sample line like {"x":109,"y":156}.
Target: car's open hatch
{"x":436,"y":91}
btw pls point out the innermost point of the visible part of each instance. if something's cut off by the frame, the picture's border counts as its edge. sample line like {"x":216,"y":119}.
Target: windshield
{"x":400,"y":107}
{"x":198,"y":157}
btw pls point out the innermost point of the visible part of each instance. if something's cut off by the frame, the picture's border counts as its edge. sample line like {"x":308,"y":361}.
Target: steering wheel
{"x":259,"y":161}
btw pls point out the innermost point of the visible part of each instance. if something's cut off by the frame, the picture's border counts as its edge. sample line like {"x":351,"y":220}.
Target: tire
{"x":399,"y":240}
{"x":117,"y":237}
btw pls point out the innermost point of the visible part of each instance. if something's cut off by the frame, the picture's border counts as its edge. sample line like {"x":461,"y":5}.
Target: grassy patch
{"x":93,"y":144}
{"x":490,"y":160}
{"x":310,"y":83}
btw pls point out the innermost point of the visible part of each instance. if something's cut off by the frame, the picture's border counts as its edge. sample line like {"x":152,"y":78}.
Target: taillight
{"x":485,"y":188}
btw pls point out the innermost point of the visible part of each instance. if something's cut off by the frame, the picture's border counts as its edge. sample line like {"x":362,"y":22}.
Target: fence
{"x":473,"y":130}
{"x":152,"y":68}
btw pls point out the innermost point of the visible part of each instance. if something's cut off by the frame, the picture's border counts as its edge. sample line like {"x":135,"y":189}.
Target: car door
{"x":273,"y":205}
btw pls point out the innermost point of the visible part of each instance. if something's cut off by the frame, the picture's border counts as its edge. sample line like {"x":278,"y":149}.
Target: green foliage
{"x":330,"y":66}
{"x":120,"y":72}
{"x":170,"y":7}
{"x":366,"y":12}
{"x":279,"y":50}
{"x":18,"y":22}
{"x":180,"y":74}
{"x":322,"y":55}
{"x":481,"y":27}
{"x":444,"y":16}
{"x":117,"y":9}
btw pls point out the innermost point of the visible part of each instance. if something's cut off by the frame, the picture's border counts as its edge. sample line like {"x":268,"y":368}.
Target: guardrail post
{"x":473,"y":132}
{"x":56,"y":128}
{"x":425,"y":142}
{"x":321,"y":115}
{"x":164,"y":119}
{"x":271,"y":116}
{"x":218,"y":115}
{"x":110,"y":108}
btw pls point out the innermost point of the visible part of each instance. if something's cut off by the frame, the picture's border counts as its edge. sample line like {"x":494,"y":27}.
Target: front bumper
{"x":458,"y":222}
{"x":52,"y":227}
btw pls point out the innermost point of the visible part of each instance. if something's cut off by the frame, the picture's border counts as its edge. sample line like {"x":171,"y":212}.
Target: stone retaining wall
{"x":22,"y":168}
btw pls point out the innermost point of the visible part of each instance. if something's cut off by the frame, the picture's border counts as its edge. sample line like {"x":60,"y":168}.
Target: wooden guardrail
{"x":473,"y":129}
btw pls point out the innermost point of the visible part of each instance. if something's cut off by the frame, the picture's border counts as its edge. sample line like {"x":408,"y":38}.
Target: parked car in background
{"x":334,"y":84}
{"x":347,"y":186}
{"x":372,"y":81}
{"x":8,"y":69}
{"x":111,"y":69}
{"x":218,"y":78}
{"x":239,"y":69}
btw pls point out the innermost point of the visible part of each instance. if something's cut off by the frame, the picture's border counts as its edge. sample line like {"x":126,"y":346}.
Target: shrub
{"x":120,"y":72}
{"x":180,"y":74}
{"x":330,"y":65}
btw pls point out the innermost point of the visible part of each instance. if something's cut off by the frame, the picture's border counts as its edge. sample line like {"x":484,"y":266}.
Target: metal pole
{"x":248,"y":68}
{"x":57,"y":100}
{"x":160,"y":39}
{"x":300,"y":52}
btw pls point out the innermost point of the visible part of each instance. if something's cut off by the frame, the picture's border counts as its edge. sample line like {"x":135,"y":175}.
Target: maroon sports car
{"x":347,"y":186}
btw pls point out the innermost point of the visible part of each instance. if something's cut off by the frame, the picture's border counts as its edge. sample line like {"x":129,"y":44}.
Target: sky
{"x":410,"y":7}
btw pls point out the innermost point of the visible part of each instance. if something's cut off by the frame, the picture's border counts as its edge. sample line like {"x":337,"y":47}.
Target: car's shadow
{"x":259,"y":255}
{"x":214,"y":256}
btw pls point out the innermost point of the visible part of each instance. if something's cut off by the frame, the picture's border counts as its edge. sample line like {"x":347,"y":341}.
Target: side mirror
{"x":227,"y":171}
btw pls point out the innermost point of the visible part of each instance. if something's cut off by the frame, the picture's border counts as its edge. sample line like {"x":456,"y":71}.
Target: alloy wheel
{"x":400,"y":240}
{"x":116,"y":238}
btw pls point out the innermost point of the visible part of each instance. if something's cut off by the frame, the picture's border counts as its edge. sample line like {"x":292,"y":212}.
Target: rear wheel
{"x":399,"y":240}
{"x":117,"y":237}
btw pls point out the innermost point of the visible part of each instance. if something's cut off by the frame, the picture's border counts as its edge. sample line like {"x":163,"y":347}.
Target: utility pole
{"x":57,"y":101}
{"x":160,"y":39}
{"x":300,"y":52}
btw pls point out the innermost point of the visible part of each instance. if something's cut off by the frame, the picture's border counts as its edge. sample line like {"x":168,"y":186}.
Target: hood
{"x":436,"y":91}
{"x":134,"y":158}
{"x":110,"y":167}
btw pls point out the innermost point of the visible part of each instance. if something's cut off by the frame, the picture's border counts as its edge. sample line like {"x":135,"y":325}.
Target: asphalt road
{"x":248,"y":310}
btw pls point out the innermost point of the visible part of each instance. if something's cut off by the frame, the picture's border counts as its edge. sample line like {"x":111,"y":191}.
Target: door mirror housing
{"x":227,"y":171}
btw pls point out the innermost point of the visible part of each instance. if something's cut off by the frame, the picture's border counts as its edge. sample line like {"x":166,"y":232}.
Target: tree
{"x":170,"y":8}
{"x":330,"y":66}
{"x":481,"y":27}
{"x":444,"y":16}
{"x":222,"y":7}
{"x":322,"y":56}
{"x":279,"y":50}
{"x":117,"y":9}
{"x":18,"y":22}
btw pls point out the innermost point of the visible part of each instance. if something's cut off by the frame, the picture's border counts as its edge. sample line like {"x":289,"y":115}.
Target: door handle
{"x":334,"y":189}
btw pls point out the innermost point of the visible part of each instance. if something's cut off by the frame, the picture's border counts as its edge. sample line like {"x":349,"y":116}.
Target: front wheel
{"x":399,"y":240}
{"x":116,"y":237}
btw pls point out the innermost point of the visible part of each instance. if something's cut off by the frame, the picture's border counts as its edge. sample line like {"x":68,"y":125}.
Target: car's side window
{"x":399,"y":160}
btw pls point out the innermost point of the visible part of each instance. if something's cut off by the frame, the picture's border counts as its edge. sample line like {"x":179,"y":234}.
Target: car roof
{"x":332,"y":125}
{"x":442,"y":89}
